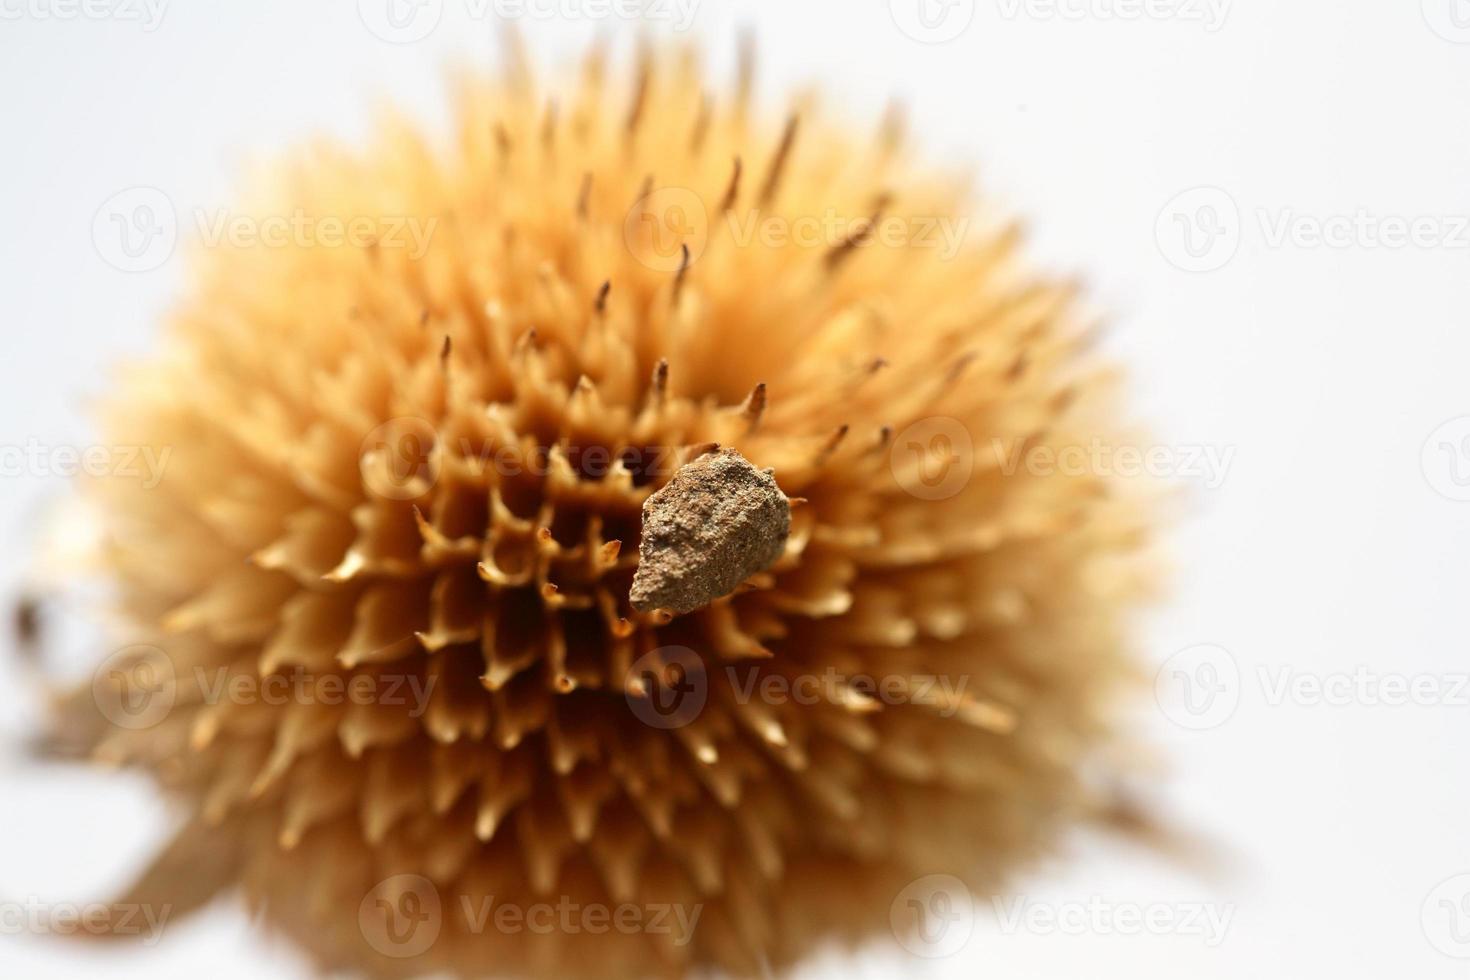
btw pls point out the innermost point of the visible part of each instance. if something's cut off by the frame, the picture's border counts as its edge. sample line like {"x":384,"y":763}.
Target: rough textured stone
{"x":717,"y":522}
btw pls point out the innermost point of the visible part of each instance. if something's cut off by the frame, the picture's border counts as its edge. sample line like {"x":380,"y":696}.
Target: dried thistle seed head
{"x":351,"y":499}
{"x":717,"y":522}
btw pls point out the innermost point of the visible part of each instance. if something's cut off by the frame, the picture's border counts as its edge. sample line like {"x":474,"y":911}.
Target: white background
{"x":1331,"y":545}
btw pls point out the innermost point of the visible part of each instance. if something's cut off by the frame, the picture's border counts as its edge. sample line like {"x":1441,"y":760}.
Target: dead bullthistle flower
{"x":409,"y":482}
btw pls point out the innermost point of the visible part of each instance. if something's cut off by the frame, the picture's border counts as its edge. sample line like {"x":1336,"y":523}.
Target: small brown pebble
{"x":717,"y":522}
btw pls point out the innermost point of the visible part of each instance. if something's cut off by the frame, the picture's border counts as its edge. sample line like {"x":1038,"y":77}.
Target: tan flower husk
{"x":543,"y":319}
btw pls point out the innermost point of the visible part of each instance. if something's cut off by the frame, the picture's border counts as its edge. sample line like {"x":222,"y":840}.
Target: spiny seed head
{"x":427,"y":471}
